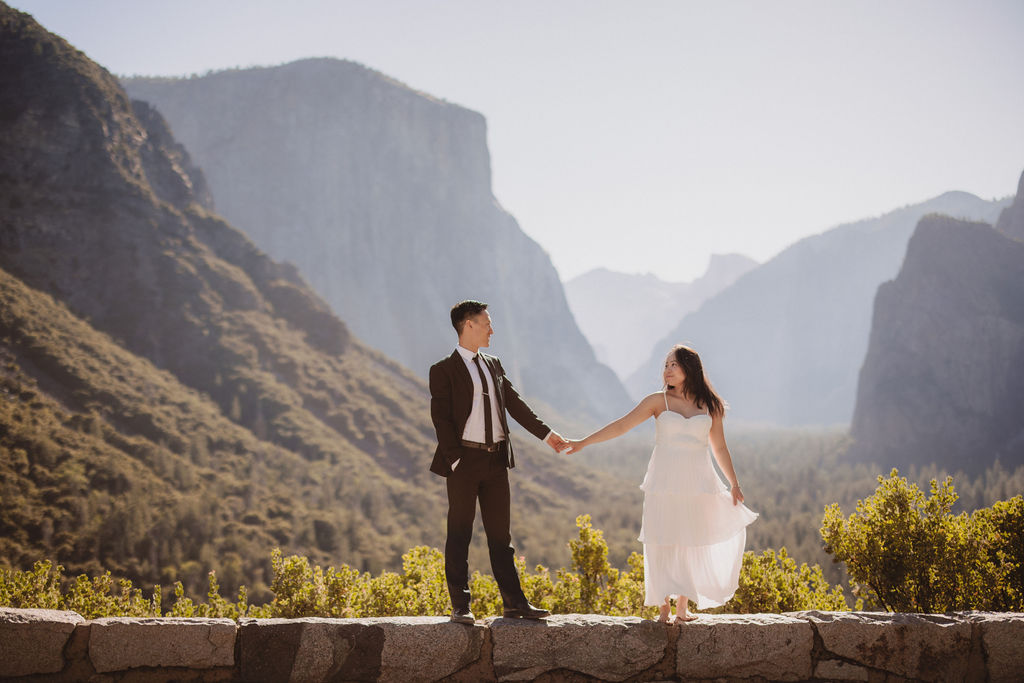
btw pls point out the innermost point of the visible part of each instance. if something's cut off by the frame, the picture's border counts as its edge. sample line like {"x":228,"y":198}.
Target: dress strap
{"x":665,"y":396}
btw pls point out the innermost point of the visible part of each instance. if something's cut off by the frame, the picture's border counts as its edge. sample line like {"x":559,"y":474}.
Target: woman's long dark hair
{"x":696,"y":385}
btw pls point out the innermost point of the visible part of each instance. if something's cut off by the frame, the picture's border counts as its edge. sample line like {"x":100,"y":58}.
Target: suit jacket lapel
{"x":460,"y":371}
{"x":463,"y":400}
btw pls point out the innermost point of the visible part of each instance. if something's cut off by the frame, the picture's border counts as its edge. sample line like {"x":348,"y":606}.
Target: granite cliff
{"x":943,"y":380}
{"x":171,"y":396}
{"x":381,"y":196}
{"x":114,"y":270}
{"x":785,"y":342}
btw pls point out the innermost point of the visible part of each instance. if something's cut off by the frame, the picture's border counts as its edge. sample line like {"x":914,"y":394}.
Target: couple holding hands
{"x":694,"y":526}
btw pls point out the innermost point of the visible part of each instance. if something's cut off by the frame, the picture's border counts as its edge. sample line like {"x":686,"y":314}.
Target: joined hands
{"x":562,"y":445}
{"x":556,"y":441}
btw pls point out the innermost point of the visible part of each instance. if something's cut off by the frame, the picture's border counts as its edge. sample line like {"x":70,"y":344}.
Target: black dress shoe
{"x":462,"y":615}
{"x":526,"y":611}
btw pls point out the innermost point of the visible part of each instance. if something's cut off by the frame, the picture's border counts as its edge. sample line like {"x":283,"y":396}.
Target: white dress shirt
{"x":475,"y":426}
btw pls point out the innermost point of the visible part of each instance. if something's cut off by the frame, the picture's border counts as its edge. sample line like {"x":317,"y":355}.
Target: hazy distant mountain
{"x":785,"y":342}
{"x":173,"y":400}
{"x":622,"y":314}
{"x":382,"y":197}
{"x":1011,"y":220}
{"x":943,"y":381}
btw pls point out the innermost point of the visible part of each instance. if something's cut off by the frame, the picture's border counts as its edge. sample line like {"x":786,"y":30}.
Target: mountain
{"x":381,"y":195}
{"x":171,"y":399}
{"x":621,"y":314}
{"x":1011,"y":220}
{"x":943,"y":380}
{"x":785,"y":342}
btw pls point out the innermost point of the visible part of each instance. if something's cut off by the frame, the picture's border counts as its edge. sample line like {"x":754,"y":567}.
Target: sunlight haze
{"x":646,"y":136}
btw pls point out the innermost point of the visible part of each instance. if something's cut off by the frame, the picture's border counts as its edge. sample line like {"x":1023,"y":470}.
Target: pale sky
{"x":645,"y":136}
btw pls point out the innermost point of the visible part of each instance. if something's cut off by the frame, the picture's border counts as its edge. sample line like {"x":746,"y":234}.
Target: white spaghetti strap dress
{"x":693,"y":535}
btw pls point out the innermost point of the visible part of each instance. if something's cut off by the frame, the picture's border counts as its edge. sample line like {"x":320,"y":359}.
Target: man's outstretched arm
{"x":522,"y":413}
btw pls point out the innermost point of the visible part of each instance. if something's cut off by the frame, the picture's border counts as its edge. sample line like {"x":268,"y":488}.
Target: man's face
{"x":478,"y":329}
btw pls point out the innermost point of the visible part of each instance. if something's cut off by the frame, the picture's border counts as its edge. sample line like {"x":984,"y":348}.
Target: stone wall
{"x":47,"y":645}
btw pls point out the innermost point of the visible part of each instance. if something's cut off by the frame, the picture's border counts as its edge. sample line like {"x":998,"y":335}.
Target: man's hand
{"x":556,"y":441}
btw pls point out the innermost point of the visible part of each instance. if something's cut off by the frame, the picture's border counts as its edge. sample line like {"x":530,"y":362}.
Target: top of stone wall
{"x":775,"y":647}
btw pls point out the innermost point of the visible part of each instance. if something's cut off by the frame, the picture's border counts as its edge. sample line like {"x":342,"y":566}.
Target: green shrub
{"x":1003,"y":527}
{"x":908,"y":552}
{"x":37,"y":588}
{"x":769,"y":582}
{"x":772,"y":582}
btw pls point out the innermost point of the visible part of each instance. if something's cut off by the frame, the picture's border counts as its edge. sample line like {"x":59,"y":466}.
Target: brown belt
{"x":482,"y":446}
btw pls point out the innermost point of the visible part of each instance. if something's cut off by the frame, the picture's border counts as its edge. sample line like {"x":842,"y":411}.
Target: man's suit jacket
{"x":451,"y":400}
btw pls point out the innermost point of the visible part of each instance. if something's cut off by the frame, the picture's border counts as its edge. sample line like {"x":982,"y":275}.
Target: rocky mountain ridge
{"x":943,"y":379}
{"x":382,"y":197}
{"x":622,"y":314}
{"x":164,"y":379}
{"x":784,"y":344}
{"x":1011,"y":220}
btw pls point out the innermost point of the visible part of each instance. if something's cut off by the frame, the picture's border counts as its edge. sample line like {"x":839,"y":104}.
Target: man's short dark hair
{"x":464,"y":310}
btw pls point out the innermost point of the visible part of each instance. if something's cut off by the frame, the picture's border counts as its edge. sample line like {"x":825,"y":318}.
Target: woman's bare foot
{"x":665,"y":609}
{"x":682,"y":615}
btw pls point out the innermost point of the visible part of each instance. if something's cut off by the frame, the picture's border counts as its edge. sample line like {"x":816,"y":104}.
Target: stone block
{"x":32,"y":640}
{"x":392,"y":649}
{"x":931,"y":647}
{"x":1002,"y":643}
{"x":771,"y":646}
{"x":310,"y":649}
{"x":609,"y":648}
{"x":121,"y":643}
{"x":427,"y":648}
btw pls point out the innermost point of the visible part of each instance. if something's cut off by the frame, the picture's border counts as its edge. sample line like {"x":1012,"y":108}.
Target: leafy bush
{"x":304,"y":590}
{"x":772,"y":582}
{"x":1003,"y":526}
{"x":908,"y":552}
{"x":38,"y":587}
{"x":41,"y":588}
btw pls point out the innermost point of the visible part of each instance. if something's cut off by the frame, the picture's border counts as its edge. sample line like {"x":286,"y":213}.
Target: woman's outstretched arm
{"x":722,"y":456}
{"x":643,"y":410}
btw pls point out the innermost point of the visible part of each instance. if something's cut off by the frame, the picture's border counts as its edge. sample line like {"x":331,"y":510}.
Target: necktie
{"x":488,"y":425}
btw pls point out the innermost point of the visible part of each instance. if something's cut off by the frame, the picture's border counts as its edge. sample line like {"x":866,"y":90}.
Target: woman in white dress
{"x":694,"y":527}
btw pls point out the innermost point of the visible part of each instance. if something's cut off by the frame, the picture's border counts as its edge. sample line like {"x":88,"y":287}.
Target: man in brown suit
{"x":469,"y":398}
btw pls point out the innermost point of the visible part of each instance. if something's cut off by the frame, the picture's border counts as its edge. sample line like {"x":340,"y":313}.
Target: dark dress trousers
{"x":480,"y":475}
